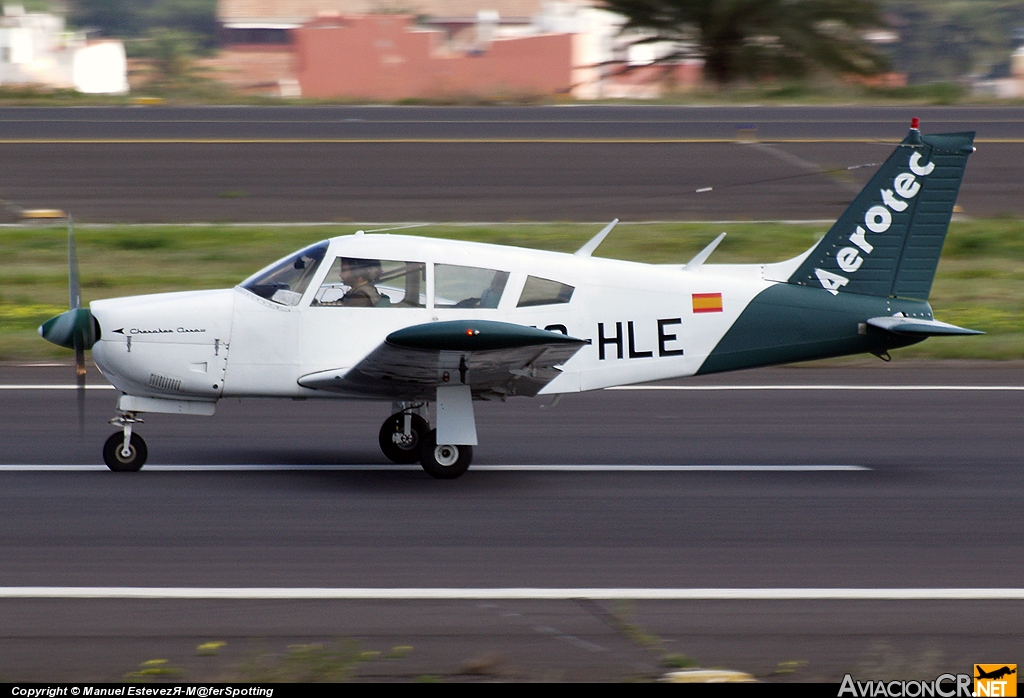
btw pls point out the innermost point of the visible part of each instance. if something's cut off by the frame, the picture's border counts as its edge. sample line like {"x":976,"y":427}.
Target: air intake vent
{"x":170,"y":385}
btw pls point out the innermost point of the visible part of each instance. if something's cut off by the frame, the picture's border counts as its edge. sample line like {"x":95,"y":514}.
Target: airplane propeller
{"x":75,"y":329}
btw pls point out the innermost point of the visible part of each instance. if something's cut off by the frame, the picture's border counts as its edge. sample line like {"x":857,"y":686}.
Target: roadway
{"x":938,"y":505}
{"x":584,"y":163}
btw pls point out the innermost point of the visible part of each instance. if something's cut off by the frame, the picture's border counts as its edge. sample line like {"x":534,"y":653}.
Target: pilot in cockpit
{"x":360,"y":275}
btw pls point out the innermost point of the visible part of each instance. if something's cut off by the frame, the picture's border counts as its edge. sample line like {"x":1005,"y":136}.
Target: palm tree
{"x":752,"y":38}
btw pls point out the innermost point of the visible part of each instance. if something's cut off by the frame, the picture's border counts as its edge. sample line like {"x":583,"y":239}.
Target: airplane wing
{"x":496,"y":359}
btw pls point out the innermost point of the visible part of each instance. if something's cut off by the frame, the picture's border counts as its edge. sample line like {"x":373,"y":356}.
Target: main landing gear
{"x":444,"y":461}
{"x":406,"y":437}
{"x":125,"y":452}
{"x":401,"y":436}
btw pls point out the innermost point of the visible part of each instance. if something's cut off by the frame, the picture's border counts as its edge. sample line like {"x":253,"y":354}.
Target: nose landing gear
{"x":125,"y":452}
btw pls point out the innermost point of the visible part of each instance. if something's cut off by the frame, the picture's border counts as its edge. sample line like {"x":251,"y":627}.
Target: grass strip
{"x":980,"y":281}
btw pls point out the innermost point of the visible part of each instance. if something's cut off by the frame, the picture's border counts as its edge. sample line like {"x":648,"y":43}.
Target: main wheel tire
{"x":120,"y":463}
{"x":445,"y":462}
{"x":402,"y":452}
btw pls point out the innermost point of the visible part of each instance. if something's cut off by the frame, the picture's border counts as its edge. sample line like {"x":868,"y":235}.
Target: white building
{"x":36,"y":48}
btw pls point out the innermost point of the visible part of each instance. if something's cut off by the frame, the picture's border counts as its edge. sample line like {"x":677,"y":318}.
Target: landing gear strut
{"x":125,"y":452}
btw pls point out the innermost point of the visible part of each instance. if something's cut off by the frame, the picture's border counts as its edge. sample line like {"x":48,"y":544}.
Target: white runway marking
{"x":1017,"y":388}
{"x":528,"y":593}
{"x":447,"y":224}
{"x":356,"y":225}
{"x":55,"y":387}
{"x":609,"y":468}
{"x":820,"y":387}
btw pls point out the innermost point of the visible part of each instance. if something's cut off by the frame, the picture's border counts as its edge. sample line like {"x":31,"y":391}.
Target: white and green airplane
{"x":416,"y":321}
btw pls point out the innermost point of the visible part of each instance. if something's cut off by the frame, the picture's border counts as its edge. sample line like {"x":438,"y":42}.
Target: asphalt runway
{"x":496,"y":123}
{"x":585,"y":163}
{"x":938,"y":506}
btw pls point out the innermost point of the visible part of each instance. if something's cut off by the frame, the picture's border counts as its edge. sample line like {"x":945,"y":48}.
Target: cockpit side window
{"x":467,"y":287}
{"x":538,"y":291}
{"x":356,"y":282}
{"x":286,"y":281}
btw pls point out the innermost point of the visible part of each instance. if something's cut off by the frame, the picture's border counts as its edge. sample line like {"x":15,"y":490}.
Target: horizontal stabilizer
{"x":918,"y":326}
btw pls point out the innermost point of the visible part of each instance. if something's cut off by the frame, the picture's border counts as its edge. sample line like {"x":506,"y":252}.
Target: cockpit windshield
{"x":286,"y":281}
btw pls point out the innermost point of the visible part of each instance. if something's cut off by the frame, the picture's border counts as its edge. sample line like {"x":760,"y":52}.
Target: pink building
{"x":375,"y":50}
{"x":387,"y":57}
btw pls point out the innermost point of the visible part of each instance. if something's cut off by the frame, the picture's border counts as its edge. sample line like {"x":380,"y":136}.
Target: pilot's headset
{"x":369,"y":269}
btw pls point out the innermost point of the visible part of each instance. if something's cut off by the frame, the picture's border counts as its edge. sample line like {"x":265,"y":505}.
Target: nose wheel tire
{"x":445,"y":461}
{"x":396,"y":445}
{"x":120,"y":462}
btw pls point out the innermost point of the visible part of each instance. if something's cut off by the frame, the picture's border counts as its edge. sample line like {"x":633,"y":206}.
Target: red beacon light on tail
{"x":915,"y":124}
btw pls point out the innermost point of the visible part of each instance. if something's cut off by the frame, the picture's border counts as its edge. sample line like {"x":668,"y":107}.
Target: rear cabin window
{"x":354,"y":282}
{"x":467,"y":287}
{"x":538,"y":291}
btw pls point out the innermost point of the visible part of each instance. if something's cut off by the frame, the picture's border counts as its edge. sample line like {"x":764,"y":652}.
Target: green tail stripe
{"x":787,"y":323}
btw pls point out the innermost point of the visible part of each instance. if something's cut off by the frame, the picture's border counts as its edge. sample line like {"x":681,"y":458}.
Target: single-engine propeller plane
{"x":416,"y":321}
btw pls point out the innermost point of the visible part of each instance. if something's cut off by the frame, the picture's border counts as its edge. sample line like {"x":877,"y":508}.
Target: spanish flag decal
{"x":707,"y":302}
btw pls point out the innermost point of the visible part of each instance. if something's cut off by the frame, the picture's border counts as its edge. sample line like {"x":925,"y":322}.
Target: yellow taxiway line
{"x":314,"y":141}
{"x":519,"y":593}
{"x":498,"y":141}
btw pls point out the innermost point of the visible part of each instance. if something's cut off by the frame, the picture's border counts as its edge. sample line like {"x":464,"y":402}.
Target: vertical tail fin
{"x":888,"y":242}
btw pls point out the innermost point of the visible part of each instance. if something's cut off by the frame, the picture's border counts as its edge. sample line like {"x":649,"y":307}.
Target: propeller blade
{"x":75,"y":329}
{"x":80,"y":369}
{"x":74,"y":286}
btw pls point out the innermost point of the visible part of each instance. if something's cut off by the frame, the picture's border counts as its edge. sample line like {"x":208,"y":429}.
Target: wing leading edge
{"x":496,"y":359}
